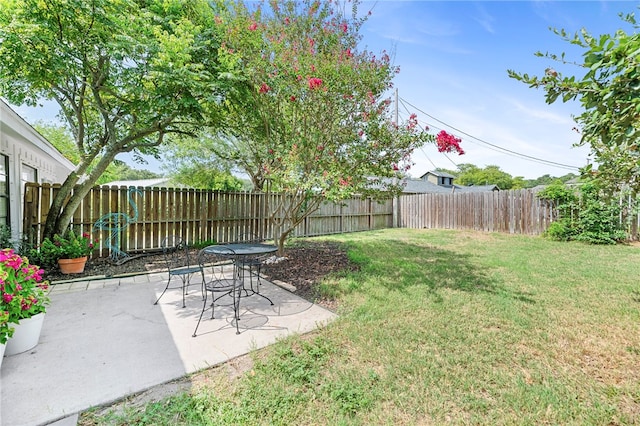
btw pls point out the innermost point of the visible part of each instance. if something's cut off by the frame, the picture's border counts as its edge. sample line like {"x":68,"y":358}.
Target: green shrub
{"x":560,"y":231}
{"x":588,"y":214}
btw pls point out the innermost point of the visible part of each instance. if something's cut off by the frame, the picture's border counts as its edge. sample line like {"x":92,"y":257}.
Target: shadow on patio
{"x":103,"y":340}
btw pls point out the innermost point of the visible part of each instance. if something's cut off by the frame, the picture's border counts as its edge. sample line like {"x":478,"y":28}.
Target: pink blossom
{"x":264,"y":88}
{"x":7,"y":297}
{"x":253,"y":26}
{"x":314,"y":83}
{"x":448,"y":143}
{"x":344,"y":27}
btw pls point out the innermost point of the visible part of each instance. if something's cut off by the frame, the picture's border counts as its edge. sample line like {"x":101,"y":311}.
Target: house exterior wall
{"x":27,"y":152}
{"x":432,"y":178}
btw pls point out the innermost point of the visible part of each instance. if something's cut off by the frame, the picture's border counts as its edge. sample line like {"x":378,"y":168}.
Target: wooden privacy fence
{"x":212,"y":216}
{"x":516,"y":212}
{"x":196,"y":215}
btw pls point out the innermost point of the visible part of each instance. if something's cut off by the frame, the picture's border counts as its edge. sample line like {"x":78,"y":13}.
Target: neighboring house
{"x":440,"y":182}
{"x":25,"y":156}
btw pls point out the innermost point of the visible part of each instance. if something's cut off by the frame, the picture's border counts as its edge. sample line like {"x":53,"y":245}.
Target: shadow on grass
{"x":398,"y":265}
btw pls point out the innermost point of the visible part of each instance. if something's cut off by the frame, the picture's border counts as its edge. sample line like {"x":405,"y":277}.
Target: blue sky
{"x":453,"y":59}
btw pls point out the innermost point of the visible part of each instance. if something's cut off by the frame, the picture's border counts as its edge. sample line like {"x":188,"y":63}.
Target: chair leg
{"x":163,"y":291}
{"x":204,"y":308}
{"x":236,"y":308}
{"x":185,"y":284}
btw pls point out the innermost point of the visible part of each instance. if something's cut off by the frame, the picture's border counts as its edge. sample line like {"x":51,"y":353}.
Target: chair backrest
{"x":217,"y":264}
{"x":176,"y":252}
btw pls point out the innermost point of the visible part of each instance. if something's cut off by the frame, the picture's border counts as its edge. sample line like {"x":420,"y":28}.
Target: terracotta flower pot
{"x":72,"y":266}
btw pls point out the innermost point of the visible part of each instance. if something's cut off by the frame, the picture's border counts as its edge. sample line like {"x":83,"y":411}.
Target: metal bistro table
{"x":244,"y":250}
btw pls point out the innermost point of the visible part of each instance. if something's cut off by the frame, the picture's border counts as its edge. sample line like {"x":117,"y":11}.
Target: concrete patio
{"x":104,"y":339}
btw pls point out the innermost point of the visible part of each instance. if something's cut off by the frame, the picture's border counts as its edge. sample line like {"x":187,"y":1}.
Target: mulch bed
{"x":304,"y":266}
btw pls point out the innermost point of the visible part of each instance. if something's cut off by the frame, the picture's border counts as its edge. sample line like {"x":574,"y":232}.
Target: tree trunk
{"x":61,"y":213}
{"x":286,"y":217}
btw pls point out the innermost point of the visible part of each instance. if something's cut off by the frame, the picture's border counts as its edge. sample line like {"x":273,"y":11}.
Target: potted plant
{"x":23,"y":302}
{"x":70,"y":251}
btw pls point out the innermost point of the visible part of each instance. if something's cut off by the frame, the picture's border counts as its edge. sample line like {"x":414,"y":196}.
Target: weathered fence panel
{"x":516,"y":212}
{"x":196,"y":215}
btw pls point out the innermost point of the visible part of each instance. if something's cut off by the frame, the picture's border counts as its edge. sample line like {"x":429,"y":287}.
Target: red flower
{"x":253,"y":26}
{"x":448,"y":143}
{"x":264,"y":88}
{"x":314,"y":83}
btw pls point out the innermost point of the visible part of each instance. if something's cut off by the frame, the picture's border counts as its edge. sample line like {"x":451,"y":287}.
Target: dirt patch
{"x":305,"y":264}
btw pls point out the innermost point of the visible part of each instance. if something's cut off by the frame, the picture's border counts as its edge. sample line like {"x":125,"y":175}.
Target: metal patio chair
{"x":252,"y":264}
{"x":220,"y":278}
{"x":179,"y":264}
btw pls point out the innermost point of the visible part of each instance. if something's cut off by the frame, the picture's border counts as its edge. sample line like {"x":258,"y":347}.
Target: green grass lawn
{"x":446,"y":327}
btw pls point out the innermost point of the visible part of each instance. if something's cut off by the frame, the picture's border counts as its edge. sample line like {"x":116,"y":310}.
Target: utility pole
{"x":395,"y":205}
{"x":396,"y":118}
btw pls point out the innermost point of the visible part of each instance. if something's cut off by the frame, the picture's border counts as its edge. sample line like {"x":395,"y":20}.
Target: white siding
{"x":24,"y":146}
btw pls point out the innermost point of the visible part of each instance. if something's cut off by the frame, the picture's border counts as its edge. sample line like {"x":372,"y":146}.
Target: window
{"x":4,"y":190}
{"x":27,"y":174}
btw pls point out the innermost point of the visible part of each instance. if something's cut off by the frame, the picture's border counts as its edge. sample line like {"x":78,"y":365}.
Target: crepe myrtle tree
{"x":124,"y":73}
{"x":607,"y":86}
{"x":310,"y":116}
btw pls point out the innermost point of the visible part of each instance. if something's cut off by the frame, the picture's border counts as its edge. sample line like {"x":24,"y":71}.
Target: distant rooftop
{"x":438,"y":173}
{"x":145,"y":183}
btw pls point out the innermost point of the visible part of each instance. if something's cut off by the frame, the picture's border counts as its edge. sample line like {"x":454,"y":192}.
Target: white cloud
{"x":484,"y":19}
{"x":539,"y":114}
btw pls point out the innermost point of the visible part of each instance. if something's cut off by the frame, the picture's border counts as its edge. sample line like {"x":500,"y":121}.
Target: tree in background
{"x":490,"y":175}
{"x":309,"y":114}
{"x":63,"y":141}
{"x":199,"y":168}
{"x":607,"y":87}
{"x":124,"y":73}
{"x":470,"y":174}
{"x":548,"y":180}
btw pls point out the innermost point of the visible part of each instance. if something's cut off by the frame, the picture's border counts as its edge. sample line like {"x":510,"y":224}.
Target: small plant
{"x":23,"y":292}
{"x":5,"y":236}
{"x":69,"y":246}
